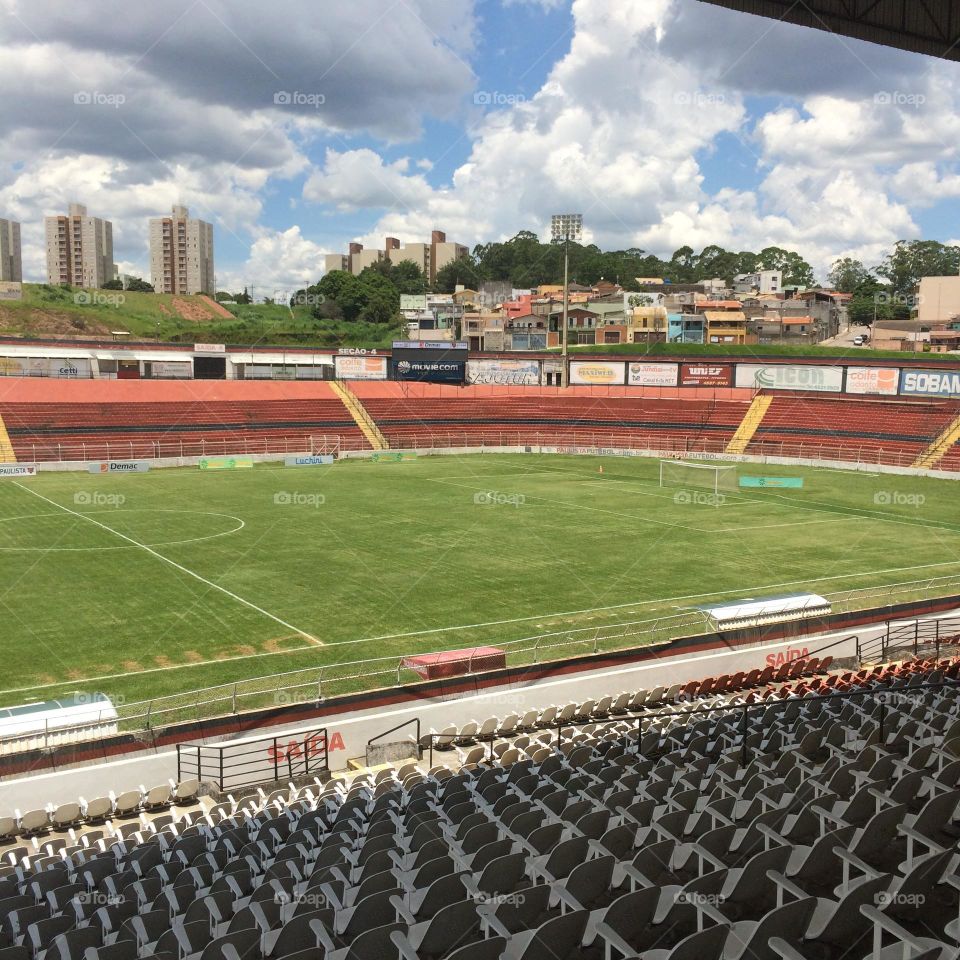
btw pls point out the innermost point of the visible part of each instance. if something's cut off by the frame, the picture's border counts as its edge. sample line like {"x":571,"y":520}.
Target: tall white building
{"x":181,"y":253}
{"x":11,"y":267}
{"x":79,"y":248}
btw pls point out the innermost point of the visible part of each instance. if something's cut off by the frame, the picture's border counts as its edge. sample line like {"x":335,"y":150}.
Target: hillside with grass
{"x":71,"y":313}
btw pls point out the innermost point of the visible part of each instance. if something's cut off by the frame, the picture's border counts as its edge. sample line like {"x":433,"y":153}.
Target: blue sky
{"x":666,"y":122}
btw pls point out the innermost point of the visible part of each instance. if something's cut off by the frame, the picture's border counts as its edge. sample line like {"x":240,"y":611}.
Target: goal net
{"x":709,"y":476}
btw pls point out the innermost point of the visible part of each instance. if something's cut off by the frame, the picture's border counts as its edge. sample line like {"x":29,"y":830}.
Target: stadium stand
{"x":902,"y":429}
{"x":167,"y":418}
{"x":491,"y":416}
{"x":90,"y":420}
{"x":798,"y":825}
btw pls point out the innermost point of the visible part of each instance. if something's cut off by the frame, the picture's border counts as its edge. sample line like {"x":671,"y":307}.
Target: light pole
{"x":566,"y":227}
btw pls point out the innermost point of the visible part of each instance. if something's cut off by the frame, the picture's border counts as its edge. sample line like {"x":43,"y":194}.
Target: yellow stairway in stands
{"x":940,"y":447}
{"x":750,"y":423}
{"x":363,"y":419}
{"x":6,"y":447}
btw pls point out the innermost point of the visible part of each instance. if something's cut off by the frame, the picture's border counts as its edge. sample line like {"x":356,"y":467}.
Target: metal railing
{"x":313,"y":685}
{"x":915,"y":638}
{"x":603,"y":442}
{"x":230,"y":766}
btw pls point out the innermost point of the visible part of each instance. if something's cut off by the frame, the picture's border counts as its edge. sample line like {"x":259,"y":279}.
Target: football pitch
{"x":155,"y":583}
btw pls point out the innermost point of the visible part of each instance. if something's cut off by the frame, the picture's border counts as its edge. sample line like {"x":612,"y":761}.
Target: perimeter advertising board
{"x":510,"y":373}
{"x":429,"y":361}
{"x":783,"y":376}
{"x":361,"y":368}
{"x":652,"y":375}
{"x":597,"y":373}
{"x":706,"y":375}
{"x":873,"y":381}
{"x":930,"y":383}
{"x":225,"y":463}
{"x":18,"y":470}
{"x":119,"y":466}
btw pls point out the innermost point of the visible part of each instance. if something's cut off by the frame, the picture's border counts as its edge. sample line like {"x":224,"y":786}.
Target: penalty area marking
{"x":174,"y":564}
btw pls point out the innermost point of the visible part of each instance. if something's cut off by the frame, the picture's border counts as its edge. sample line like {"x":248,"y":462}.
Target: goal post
{"x":720,"y":478}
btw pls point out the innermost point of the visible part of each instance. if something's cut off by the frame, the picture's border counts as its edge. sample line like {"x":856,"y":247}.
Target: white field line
{"x":746,"y":591}
{"x":175,"y":565}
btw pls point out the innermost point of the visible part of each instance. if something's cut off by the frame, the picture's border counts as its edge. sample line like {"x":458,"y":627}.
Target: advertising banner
{"x":119,"y":466}
{"x":597,"y":373}
{"x":391,"y":456}
{"x":361,"y":368}
{"x":413,"y":301}
{"x":784,"y":376}
{"x":430,"y":371}
{"x":322,"y":460}
{"x":779,"y":483}
{"x":873,"y":381}
{"x":930,"y":383}
{"x":225,"y":463}
{"x":44,"y":367}
{"x":520,"y":373}
{"x":652,"y":375}
{"x":18,"y":470}
{"x":706,"y":375}
{"x":429,"y":361}
{"x":171,"y":369}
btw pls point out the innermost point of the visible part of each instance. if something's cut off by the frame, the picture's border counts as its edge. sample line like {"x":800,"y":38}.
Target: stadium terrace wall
{"x":683,"y":659}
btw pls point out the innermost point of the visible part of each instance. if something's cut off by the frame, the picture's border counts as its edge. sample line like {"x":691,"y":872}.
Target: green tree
{"x":112,"y":285}
{"x":463,"y":271}
{"x":332,"y":283}
{"x":847,"y":274}
{"x":795,"y":270}
{"x":911,"y":260}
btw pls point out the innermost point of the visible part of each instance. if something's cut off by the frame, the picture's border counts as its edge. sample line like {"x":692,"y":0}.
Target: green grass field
{"x":151,"y":584}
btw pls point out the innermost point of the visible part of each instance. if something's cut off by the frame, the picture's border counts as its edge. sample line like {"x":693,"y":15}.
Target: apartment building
{"x":181,"y":253}
{"x":429,"y":257}
{"x":79,"y":248}
{"x":11,"y":266}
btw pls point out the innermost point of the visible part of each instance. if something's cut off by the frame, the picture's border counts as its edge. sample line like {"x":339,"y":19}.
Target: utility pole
{"x":566,"y":227}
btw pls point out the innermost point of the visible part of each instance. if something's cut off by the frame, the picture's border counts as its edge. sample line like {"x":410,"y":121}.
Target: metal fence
{"x":605,"y":441}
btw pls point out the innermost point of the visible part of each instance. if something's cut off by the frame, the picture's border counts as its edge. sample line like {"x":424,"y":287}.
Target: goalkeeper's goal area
{"x":709,"y":476}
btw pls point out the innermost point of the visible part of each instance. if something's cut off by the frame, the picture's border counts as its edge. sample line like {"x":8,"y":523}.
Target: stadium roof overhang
{"x":758,"y":613}
{"x":921,"y":26}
